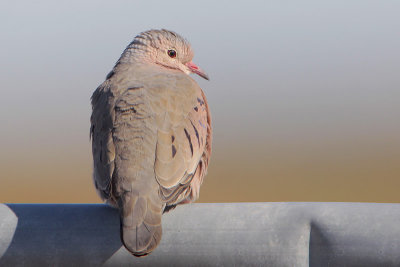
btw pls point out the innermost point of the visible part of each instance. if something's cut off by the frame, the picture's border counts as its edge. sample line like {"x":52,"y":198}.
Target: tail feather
{"x":140,"y":224}
{"x":141,"y":240}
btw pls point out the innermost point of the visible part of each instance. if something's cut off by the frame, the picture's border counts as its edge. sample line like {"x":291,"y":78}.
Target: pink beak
{"x":194,"y":69}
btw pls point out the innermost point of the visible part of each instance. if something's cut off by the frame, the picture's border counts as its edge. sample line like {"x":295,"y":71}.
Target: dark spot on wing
{"x":196,"y":132}
{"x":202,"y":125}
{"x":200,"y":101}
{"x":196,"y":109}
{"x":190,"y":141}
{"x":173,"y":151}
{"x":172,"y":138}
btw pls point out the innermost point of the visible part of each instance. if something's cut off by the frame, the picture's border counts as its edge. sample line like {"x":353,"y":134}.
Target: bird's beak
{"x":194,"y":69}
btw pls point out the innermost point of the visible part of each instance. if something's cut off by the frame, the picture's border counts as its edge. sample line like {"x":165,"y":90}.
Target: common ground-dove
{"x":151,"y":135}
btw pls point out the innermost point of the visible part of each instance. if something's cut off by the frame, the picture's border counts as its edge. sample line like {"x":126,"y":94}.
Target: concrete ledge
{"x":234,"y":234}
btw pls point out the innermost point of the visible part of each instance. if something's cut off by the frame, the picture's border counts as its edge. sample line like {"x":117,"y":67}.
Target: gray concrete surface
{"x":234,"y":234}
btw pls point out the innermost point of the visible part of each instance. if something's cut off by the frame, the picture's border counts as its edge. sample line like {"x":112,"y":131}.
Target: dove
{"x":151,"y":135}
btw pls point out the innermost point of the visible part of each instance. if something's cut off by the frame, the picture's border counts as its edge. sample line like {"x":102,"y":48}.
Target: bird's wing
{"x":183,"y":141}
{"x":102,"y":144}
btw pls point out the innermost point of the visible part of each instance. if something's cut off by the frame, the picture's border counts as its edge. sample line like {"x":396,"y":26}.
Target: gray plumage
{"x":151,"y":135}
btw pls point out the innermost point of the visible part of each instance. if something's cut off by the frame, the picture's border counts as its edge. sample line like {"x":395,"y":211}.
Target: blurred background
{"x":305,"y":95}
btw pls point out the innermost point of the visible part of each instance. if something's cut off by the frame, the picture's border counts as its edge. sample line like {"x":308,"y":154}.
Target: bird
{"x":151,"y":135}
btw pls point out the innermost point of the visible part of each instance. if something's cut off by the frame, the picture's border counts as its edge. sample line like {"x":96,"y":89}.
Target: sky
{"x":304,"y":95}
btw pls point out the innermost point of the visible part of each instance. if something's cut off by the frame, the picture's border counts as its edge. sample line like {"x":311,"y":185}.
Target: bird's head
{"x":165,"y":48}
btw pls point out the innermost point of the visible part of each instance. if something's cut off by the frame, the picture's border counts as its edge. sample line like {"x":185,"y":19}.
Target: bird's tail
{"x":140,"y":222}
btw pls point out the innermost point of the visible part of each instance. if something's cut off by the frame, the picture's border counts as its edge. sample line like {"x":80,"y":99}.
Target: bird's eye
{"x":171,"y":53}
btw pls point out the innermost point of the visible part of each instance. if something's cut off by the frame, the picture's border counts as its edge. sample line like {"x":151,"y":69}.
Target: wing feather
{"x":183,"y":144}
{"x":102,"y":144}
